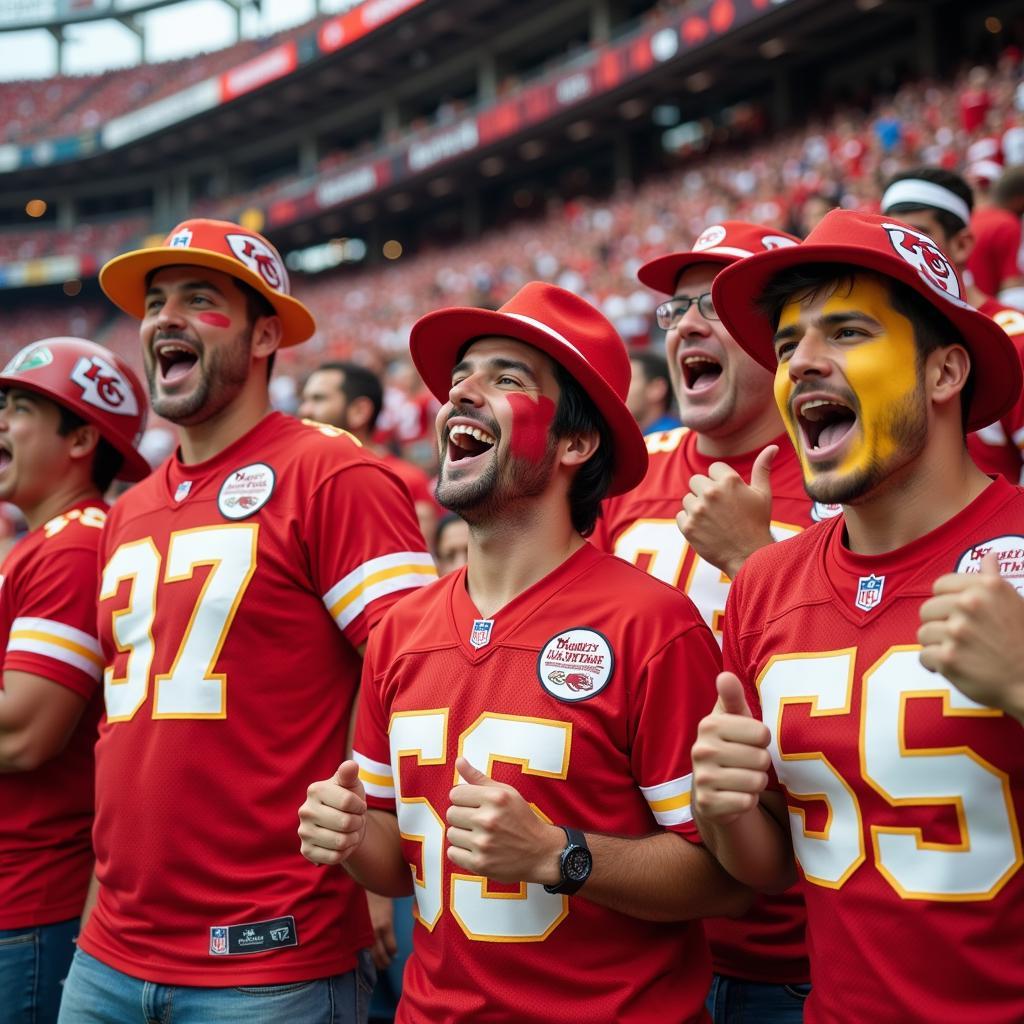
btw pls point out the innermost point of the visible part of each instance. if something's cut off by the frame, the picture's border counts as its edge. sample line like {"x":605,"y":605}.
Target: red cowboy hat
{"x":563,"y":326}
{"x":885,"y":246}
{"x":721,"y":244}
{"x":220,"y":245}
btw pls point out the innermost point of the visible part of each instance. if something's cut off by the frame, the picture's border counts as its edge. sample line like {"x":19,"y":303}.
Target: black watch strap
{"x":575,"y":863}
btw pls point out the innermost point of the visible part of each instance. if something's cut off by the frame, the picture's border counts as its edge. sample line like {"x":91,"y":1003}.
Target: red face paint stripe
{"x":531,"y":421}
{"x":215,"y":319}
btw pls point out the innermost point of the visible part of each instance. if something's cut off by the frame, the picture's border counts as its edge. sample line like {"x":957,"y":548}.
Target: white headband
{"x":925,"y":193}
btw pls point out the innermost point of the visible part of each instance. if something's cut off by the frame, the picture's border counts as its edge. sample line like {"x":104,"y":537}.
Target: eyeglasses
{"x":670,"y":312}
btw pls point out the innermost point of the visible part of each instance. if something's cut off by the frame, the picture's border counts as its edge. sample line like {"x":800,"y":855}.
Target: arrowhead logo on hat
{"x":926,"y":258}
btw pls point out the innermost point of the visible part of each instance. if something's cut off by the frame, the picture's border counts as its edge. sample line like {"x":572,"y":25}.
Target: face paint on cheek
{"x":215,"y":319}
{"x":531,"y":421}
{"x":783,"y":388}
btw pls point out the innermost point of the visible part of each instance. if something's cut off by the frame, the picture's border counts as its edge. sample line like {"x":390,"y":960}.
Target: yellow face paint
{"x":878,"y":365}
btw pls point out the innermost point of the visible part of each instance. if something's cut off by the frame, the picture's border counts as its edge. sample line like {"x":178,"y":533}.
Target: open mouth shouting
{"x":6,"y":457}
{"x":175,"y":360}
{"x":467,"y":441}
{"x":826,"y":423}
{"x":700,"y":371}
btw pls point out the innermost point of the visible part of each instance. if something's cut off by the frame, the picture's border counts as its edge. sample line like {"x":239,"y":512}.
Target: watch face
{"x":577,"y":864}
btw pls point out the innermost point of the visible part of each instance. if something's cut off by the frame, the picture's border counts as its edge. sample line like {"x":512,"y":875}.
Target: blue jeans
{"x":734,"y":1001}
{"x":33,"y":965}
{"x":98,"y":994}
{"x":389,"y":981}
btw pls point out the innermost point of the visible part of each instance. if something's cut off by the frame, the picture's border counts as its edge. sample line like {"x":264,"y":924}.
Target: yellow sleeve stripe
{"x":386,"y":781}
{"x":670,"y":803}
{"x":387,"y":574}
{"x":379,"y":577}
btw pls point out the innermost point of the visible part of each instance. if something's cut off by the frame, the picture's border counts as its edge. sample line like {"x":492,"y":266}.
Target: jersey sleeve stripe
{"x":347,"y":598}
{"x":58,"y":641}
{"x":670,"y":801}
{"x":377,"y":778}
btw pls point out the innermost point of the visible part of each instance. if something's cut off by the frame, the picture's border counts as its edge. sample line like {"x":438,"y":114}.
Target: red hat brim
{"x":438,"y":338}
{"x":996,"y":365}
{"x":661,"y":274}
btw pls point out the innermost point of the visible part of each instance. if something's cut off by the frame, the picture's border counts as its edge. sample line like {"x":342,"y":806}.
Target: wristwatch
{"x":575,"y":863}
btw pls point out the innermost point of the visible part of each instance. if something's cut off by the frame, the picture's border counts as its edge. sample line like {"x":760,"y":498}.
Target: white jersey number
{"x":538,"y":747}
{"x":191,"y":688}
{"x":989,"y":850}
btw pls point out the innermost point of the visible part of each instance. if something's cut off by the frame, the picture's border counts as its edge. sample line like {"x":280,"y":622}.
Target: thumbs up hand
{"x":494,"y":832}
{"x":332,"y":821}
{"x":726,"y":520}
{"x":730,"y":757}
{"x":972,"y":631}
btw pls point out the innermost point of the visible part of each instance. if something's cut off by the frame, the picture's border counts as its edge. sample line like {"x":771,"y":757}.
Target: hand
{"x":972,"y":631}
{"x":382,"y":917}
{"x":333,"y":818}
{"x":725,"y":520}
{"x":495,"y":833}
{"x":730,"y":757}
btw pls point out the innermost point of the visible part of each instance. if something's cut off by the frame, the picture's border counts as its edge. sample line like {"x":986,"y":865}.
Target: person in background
{"x":650,"y":392}
{"x":996,"y":261}
{"x":451,"y":543}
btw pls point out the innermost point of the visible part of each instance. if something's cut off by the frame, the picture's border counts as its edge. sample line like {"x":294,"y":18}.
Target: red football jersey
{"x":584,"y":693}
{"x":233,"y":597}
{"x":48,"y":629}
{"x":767,"y":943}
{"x":998,"y":448}
{"x":997,"y":248}
{"x":905,"y":797}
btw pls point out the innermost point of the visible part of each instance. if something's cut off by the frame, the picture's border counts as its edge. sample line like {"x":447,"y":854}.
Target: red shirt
{"x":905,"y":797}
{"x":48,"y":629}
{"x":997,"y":248}
{"x":767,"y":943}
{"x":998,"y":447}
{"x":585,"y":696}
{"x":416,"y":481}
{"x":234,"y":595}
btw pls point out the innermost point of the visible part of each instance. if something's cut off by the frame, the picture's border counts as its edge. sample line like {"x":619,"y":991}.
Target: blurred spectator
{"x":451,"y":543}
{"x":995,"y":263}
{"x":650,"y":392}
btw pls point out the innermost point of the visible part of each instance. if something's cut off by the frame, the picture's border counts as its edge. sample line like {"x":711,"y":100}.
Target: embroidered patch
{"x":575,"y":664}
{"x":255,"y":937}
{"x":480,"y":635}
{"x":245,"y":491}
{"x":104,"y":387}
{"x":869,"y":592}
{"x":181,"y":491}
{"x":1009,"y":549}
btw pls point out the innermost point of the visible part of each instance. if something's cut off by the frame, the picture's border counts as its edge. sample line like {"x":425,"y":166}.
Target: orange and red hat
{"x":219,"y":245}
{"x":561,"y":325}
{"x":721,"y":244}
{"x":93,"y":383}
{"x":883,"y":245}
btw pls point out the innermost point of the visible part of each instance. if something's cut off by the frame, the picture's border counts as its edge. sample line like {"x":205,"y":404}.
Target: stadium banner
{"x":45,"y":270}
{"x":253,"y":74}
{"x":352,"y":25}
{"x":151,"y":118}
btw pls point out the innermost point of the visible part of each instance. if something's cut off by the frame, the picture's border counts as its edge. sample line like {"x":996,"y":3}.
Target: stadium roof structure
{"x":18,"y":15}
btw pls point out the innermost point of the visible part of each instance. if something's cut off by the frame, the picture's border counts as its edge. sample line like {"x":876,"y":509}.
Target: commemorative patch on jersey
{"x":869,"y":592}
{"x":1009,"y":549}
{"x":255,"y":937}
{"x":245,"y":491}
{"x":575,"y":664}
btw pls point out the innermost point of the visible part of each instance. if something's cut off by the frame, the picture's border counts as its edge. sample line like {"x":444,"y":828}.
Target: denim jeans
{"x":98,"y":994}
{"x":734,"y":1001}
{"x":33,"y":965}
{"x":389,"y":981}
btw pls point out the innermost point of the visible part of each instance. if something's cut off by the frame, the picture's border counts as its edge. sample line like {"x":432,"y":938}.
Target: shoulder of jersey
{"x":769,"y":565}
{"x":416,"y":617}
{"x":664,"y":442}
{"x":75,"y":528}
{"x":637,"y":587}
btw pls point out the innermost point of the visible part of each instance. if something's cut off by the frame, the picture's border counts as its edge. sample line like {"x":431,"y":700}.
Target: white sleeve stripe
{"x":358,"y":576}
{"x":666,"y":790}
{"x":381,"y":792}
{"x":410,"y":581}
{"x":58,"y":629}
{"x":680,"y":816}
{"x":34,"y":645}
{"x":374,"y":767}
{"x":1018,"y":438}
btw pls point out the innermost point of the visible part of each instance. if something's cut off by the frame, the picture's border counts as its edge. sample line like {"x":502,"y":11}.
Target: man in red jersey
{"x":904,"y":793}
{"x":938,"y":203}
{"x":71,"y":414}
{"x":997,"y":262}
{"x":556,"y":686}
{"x":351,"y":396}
{"x":239,"y":584}
{"x":732,"y":430}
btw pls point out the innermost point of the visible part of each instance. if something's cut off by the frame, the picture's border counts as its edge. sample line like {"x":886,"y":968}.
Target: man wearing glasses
{"x":741,"y":488}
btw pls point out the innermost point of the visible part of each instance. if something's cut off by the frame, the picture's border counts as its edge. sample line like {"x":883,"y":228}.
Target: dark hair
{"x":106,"y":459}
{"x":358,"y":382}
{"x":577,"y":414}
{"x":950,"y":222}
{"x":655,"y":367}
{"x":931,"y":329}
{"x":443,"y":523}
{"x":1010,"y":186}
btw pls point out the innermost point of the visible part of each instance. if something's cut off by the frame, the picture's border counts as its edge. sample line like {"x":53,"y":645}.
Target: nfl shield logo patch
{"x":480,"y":636}
{"x":218,"y":941}
{"x":869,"y":592}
